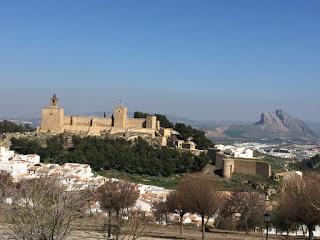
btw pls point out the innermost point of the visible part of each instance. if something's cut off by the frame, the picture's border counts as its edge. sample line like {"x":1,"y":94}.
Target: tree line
{"x":137,"y":156}
{"x":42,"y":209}
{"x":203,"y":195}
{"x":185,"y":131}
{"x":312,"y":163}
{"x":10,"y":127}
{"x":295,"y":206}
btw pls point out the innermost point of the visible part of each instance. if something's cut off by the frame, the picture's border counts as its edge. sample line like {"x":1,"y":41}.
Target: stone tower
{"x":151,"y":122}
{"x":52,"y":117}
{"x":120,"y":116}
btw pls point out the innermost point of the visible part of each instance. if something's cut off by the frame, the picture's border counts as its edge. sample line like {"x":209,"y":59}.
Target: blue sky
{"x":209,"y":60}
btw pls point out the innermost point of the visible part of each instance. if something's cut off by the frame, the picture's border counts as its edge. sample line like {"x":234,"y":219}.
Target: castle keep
{"x":54,"y":120}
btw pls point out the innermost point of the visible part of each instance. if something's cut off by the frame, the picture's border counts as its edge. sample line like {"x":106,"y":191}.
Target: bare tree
{"x":136,"y":224}
{"x":298,"y":200}
{"x":6,"y":186}
{"x":249,"y":205}
{"x":202,"y":196}
{"x":281,"y":222}
{"x":41,"y":209}
{"x":176,"y":203}
{"x":115,"y":197}
{"x":160,"y":210}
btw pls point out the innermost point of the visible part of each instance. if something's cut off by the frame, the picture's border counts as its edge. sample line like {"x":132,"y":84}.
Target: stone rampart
{"x":135,"y":123}
{"x":230,"y":165}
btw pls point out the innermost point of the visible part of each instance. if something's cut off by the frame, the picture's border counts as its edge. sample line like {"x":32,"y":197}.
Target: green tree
{"x":164,"y":121}
{"x":25,"y":145}
{"x":10,"y":127}
{"x":138,"y":156}
{"x":198,"y":136}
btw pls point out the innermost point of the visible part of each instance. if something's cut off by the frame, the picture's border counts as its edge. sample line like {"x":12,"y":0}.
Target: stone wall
{"x":102,"y":122}
{"x":247,"y":167}
{"x":86,"y":121}
{"x":230,"y":165}
{"x":81,"y":121}
{"x":67,"y":120}
{"x":76,"y":129}
{"x":135,"y":123}
{"x":219,"y":160}
{"x":263,"y":169}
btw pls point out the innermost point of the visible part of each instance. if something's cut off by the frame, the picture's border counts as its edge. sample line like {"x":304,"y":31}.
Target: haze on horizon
{"x":202,"y":60}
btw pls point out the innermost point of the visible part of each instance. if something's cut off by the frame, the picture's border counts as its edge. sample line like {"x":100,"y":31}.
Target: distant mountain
{"x":274,"y":125}
{"x":33,"y":122}
{"x":315,"y":126}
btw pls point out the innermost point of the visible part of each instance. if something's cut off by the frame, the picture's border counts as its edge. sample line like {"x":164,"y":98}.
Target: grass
{"x":236,"y":182}
{"x":166,"y":182}
{"x":248,"y":183}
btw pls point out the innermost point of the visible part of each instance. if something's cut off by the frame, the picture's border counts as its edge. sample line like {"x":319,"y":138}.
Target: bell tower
{"x":54,"y":101}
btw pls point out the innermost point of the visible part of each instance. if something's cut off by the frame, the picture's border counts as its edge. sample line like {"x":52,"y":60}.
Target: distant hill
{"x":315,"y":126}
{"x":10,"y":127}
{"x":274,"y":125}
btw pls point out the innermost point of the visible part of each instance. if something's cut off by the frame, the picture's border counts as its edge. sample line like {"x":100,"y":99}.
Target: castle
{"x":54,"y":121}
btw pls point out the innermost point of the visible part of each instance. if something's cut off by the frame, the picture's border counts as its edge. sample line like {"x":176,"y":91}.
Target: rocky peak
{"x":278,"y":124}
{"x":273,"y":119}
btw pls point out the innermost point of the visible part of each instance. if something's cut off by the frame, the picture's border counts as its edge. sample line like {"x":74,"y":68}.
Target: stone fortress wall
{"x":230,"y":165}
{"x":53,"y":120}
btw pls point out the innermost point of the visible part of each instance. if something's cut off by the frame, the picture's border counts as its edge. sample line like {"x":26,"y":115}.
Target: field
{"x":166,"y":182}
{"x":90,"y":228}
{"x":165,"y":232}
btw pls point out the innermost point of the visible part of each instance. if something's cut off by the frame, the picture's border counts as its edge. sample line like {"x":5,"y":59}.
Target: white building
{"x":237,"y":152}
{"x":31,"y":158}
{"x":16,"y":164}
{"x":82,"y":170}
{"x":5,"y":154}
{"x":243,"y":153}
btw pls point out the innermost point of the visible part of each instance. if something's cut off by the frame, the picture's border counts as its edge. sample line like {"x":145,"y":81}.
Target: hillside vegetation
{"x":137,"y":157}
{"x":10,"y":127}
{"x":308,"y":164}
